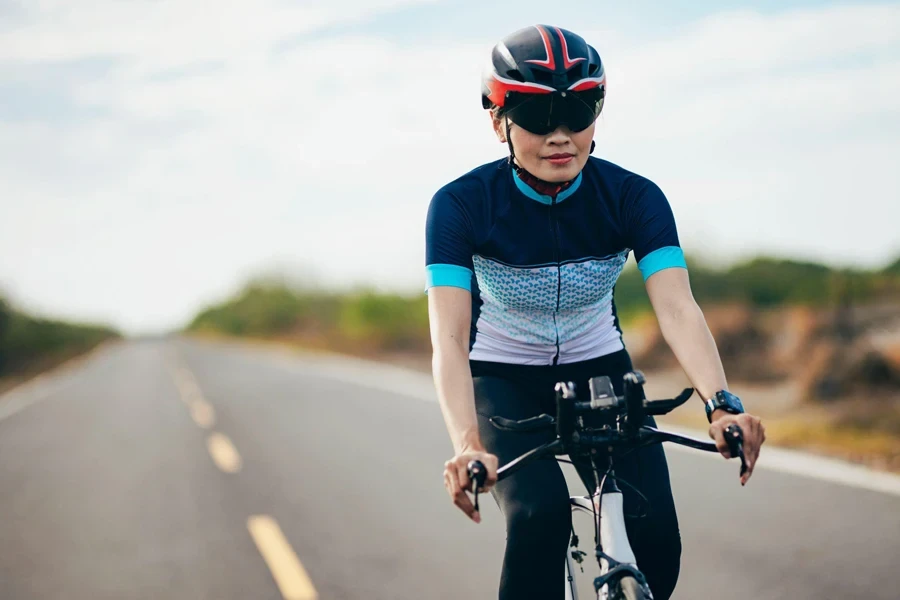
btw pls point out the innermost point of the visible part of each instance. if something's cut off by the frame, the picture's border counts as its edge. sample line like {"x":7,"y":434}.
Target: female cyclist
{"x":522,"y":256}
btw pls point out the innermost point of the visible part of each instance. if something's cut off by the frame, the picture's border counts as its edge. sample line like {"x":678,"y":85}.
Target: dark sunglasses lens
{"x":534,"y":114}
{"x":582,"y":108}
{"x":542,"y":114}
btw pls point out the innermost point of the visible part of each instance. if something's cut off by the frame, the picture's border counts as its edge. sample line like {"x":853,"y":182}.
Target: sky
{"x":156,"y":155}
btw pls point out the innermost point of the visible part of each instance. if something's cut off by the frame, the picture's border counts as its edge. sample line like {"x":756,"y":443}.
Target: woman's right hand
{"x":457,"y":483}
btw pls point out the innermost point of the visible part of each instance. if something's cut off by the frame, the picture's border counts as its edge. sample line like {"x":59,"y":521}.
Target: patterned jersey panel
{"x":542,"y":270}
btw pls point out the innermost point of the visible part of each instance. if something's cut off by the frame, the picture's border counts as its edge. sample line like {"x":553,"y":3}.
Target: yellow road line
{"x":289,"y":574}
{"x":223,"y":453}
{"x":187,"y":385}
{"x":203,"y":413}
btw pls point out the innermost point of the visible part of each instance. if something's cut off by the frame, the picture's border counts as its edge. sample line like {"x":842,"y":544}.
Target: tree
{"x":4,"y":328}
{"x":893,"y":268}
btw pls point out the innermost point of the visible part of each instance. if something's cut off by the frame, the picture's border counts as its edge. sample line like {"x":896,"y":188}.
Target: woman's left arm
{"x":685,"y":330}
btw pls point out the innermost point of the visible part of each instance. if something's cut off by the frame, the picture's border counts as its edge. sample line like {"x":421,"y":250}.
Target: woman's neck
{"x":547,"y":188}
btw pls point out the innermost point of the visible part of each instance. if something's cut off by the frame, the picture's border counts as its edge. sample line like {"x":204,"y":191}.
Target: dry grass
{"x":876,"y":449}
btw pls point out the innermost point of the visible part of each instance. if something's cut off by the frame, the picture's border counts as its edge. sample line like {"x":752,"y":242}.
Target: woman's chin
{"x":558,"y":173}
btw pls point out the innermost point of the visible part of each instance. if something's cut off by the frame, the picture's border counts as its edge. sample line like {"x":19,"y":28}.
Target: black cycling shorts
{"x":534,"y":500}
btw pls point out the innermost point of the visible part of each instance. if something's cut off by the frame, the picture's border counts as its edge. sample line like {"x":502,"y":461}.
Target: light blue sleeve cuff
{"x":448,"y":275}
{"x":662,"y":258}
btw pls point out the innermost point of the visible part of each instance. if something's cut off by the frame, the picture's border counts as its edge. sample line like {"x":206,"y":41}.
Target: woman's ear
{"x":499,"y":129}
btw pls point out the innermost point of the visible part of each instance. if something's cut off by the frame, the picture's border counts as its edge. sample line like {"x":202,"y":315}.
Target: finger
{"x":451,"y":484}
{"x":755,"y":425}
{"x":751,"y":464}
{"x":464,"y":485}
{"x":449,"y":471}
{"x":757,"y":440}
{"x":750,"y":459}
{"x":464,"y":503}
{"x":459,"y":496}
{"x":760,"y":434}
{"x":751,"y":448}
{"x":752,"y":453}
{"x":462,"y":474}
{"x":754,"y":441}
{"x":451,"y":475}
{"x":716,"y":432}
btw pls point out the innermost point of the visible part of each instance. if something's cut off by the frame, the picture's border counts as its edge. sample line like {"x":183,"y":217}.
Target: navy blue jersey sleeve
{"x":651,"y":229}
{"x":449,"y":243}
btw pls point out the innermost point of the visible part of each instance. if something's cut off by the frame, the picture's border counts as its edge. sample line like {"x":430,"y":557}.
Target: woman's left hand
{"x":754,"y":436}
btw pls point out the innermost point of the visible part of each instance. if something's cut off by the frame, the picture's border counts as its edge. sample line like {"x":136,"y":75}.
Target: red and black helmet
{"x":541,"y":60}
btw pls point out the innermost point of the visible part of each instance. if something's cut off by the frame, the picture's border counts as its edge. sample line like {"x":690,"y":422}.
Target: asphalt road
{"x":186,"y":469}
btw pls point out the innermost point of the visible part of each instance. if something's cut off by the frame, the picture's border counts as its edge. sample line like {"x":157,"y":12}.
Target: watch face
{"x":732,"y":401}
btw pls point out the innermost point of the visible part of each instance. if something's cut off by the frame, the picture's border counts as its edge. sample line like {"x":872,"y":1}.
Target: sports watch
{"x":726,"y":401}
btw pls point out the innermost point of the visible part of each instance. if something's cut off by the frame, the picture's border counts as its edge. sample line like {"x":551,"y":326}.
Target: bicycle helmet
{"x":543,"y":77}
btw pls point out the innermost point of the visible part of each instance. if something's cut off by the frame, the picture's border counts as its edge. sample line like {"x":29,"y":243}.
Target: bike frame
{"x":606,"y":508}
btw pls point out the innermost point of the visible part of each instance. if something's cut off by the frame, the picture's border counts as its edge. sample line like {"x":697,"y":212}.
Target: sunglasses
{"x":544,"y":113}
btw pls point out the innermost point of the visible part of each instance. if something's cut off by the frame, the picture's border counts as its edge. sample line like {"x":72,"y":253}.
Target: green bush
{"x":767,"y":282}
{"x":893,"y":268}
{"x":26,"y":340}
{"x":266,"y":310}
{"x":5,"y":317}
{"x":392,"y":321}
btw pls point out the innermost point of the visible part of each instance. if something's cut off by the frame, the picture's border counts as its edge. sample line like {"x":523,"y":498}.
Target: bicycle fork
{"x":614,"y":553}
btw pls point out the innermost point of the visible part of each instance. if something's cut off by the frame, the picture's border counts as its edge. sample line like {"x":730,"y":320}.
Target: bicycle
{"x":621,"y":428}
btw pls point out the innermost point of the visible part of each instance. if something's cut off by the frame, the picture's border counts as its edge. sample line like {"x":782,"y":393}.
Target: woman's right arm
{"x":450,"y":314}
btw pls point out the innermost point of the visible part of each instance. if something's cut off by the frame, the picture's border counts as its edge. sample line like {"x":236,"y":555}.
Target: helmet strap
{"x":512,"y":153}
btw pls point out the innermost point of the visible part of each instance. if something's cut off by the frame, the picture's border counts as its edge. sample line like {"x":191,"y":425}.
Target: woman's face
{"x":555,"y":157}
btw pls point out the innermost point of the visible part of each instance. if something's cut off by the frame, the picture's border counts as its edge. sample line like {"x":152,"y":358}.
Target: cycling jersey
{"x":542,"y":269}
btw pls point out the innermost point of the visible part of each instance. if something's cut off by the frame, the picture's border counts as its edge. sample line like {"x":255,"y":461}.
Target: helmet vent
{"x":515,"y":74}
{"x":542,"y":77}
{"x":593,"y":68}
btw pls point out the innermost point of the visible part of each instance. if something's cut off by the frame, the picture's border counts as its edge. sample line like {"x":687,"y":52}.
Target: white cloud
{"x":215,"y":148}
{"x":165,"y":33}
{"x":768,"y":133}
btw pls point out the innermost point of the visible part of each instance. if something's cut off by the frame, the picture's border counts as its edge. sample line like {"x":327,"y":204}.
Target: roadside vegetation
{"x":30,"y":344}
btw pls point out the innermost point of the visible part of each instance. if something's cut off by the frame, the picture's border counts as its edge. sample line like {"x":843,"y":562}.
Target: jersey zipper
{"x":555,"y":230}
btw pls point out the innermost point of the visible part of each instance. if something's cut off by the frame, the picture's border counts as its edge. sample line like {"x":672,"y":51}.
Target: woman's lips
{"x":559,"y":159}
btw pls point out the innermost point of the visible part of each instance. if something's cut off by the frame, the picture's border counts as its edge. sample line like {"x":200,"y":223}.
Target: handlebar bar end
{"x":477,"y":473}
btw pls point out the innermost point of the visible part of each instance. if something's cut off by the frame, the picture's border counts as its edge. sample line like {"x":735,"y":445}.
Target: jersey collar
{"x":544,"y":198}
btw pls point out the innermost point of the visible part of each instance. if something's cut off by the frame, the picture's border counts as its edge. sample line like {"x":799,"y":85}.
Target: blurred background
{"x":186,"y":188}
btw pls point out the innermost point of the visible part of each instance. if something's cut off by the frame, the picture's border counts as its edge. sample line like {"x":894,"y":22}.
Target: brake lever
{"x":533,"y":424}
{"x":734,"y":437}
